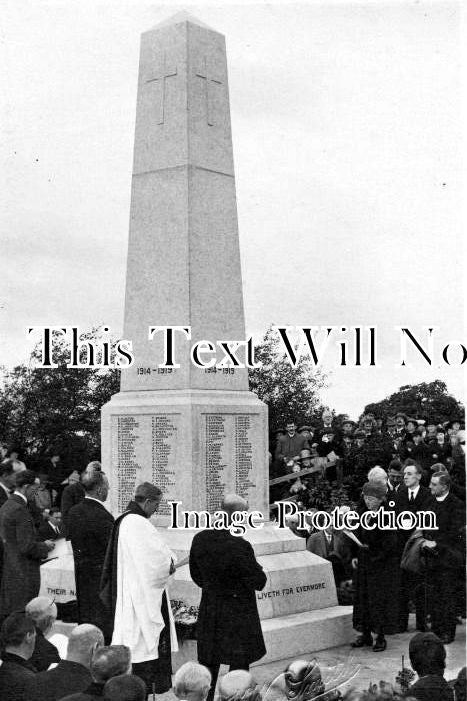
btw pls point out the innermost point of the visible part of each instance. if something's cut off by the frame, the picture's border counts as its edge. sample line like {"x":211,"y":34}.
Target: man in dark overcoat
{"x":22,"y":550}
{"x":444,"y":549}
{"x":89,"y":529}
{"x":228,"y":628}
{"x":377,"y":563}
{"x":412,"y":497}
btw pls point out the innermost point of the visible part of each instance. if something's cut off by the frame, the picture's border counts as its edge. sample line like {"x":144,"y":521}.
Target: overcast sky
{"x":346,"y":132}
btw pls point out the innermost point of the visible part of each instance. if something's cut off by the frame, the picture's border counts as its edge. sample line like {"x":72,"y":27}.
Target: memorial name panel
{"x":144,"y":449}
{"x":228,"y":449}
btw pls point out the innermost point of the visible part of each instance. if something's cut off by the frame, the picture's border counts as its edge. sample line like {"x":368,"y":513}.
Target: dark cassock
{"x":134,"y":588}
{"x":22,"y":555}
{"x":445,"y":563}
{"x":228,"y":629}
{"x":89,"y":529}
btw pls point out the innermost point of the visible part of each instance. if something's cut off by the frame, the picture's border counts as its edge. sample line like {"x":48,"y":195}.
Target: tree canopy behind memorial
{"x":428,"y":400}
{"x":291,"y":393}
{"x":55,"y":410}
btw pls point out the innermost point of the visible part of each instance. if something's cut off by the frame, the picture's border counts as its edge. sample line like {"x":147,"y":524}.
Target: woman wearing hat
{"x":375,"y":563}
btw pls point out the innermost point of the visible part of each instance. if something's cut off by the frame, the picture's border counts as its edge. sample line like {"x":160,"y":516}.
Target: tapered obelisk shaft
{"x":183,"y":254}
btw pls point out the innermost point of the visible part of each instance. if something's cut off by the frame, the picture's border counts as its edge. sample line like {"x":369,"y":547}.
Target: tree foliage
{"x":430,"y":401}
{"x":55,"y":409}
{"x":290,"y":392}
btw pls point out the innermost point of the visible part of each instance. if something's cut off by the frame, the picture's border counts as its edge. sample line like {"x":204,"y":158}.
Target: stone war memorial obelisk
{"x":199,"y":433}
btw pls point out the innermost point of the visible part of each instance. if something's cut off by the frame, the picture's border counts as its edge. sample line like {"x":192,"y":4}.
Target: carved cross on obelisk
{"x":163,"y":70}
{"x":206,"y":71}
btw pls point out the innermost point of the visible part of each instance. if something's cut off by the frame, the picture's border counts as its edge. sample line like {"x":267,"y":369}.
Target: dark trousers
{"x":214,"y":669}
{"x":412,"y":588}
{"x":443,"y":612}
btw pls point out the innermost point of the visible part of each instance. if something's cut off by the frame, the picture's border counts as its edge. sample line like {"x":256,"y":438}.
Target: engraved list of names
{"x":229,"y":457}
{"x":144,"y":449}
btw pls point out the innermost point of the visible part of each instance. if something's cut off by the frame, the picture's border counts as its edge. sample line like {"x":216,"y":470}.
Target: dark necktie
{"x":411,"y":498}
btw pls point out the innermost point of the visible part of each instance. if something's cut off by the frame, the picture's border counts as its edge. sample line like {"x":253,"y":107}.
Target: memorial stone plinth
{"x":195,"y":446}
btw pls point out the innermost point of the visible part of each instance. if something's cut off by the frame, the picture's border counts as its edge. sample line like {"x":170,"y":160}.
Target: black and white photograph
{"x":232,"y":351}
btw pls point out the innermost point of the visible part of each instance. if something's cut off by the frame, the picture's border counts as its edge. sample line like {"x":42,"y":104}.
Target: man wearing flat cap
{"x":376,"y":563}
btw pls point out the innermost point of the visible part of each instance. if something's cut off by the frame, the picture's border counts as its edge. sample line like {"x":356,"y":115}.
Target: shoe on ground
{"x":380,"y":644}
{"x":362,"y":641}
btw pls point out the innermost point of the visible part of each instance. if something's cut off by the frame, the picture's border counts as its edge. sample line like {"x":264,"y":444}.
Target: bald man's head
{"x":233,"y":502}
{"x":237,"y":685}
{"x":82,"y":643}
{"x":43,"y":611}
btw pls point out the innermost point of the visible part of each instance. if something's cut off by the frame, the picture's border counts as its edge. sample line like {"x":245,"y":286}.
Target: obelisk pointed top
{"x":180,"y":17}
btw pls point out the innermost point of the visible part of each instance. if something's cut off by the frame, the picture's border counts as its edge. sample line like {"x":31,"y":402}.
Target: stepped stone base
{"x":297,"y":580}
{"x":305,"y":633}
{"x":298,"y":606}
{"x":297,"y":635}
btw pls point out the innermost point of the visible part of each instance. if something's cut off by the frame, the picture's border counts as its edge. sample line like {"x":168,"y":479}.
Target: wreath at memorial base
{"x":185,"y":619}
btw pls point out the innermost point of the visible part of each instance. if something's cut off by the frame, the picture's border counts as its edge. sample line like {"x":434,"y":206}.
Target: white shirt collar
{"x":5,"y":488}
{"x":94,"y":499}
{"x":414,"y":491}
{"x":21,"y":495}
{"x":443,"y":497}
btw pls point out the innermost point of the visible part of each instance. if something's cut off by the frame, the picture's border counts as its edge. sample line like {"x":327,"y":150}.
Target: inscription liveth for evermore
{"x":287,"y":591}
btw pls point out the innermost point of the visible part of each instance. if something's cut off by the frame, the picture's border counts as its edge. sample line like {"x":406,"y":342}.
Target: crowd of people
{"x":125,"y":633}
{"x":32,"y":669}
{"x":345,"y":452}
{"x":404,"y":465}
